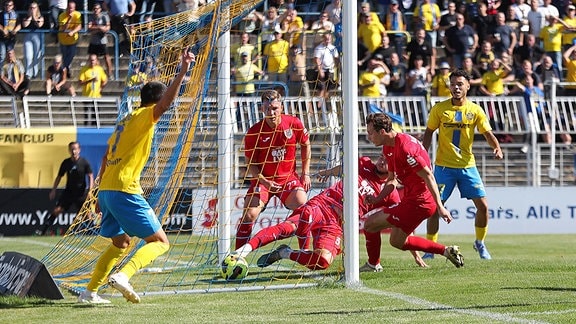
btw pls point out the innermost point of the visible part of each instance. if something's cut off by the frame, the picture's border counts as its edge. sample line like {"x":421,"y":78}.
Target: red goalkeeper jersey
{"x":274,"y":149}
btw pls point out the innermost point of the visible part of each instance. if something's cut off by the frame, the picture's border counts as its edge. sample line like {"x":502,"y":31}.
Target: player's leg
{"x":293,"y":196}
{"x":135,"y":216}
{"x":373,"y":245}
{"x":254,"y":201}
{"x":446,"y":183}
{"x":472,"y":187}
{"x":270,"y":234}
{"x":120,"y":241}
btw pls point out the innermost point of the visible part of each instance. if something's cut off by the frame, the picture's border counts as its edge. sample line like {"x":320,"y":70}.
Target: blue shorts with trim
{"x":468,"y":181}
{"x":126,"y":213}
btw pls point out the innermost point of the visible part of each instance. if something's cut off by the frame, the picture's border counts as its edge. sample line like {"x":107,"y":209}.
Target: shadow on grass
{"x":540,"y":288}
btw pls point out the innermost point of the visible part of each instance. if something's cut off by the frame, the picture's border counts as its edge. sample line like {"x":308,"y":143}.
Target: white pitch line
{"x":432,"y":305}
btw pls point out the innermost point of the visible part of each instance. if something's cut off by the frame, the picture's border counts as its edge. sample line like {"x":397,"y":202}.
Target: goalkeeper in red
{"x":456,"y":120}
{"x":270,"y":148}
{"x":125,"y":212}
{"x":321,"y":217}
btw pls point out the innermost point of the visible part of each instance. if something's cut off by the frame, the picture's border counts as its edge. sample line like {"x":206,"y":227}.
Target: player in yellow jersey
{"x":456,"y":119}
{"x":125,"y":212}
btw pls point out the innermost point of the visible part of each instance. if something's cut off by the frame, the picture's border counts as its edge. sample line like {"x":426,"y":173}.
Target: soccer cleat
{"x":269,"y":258}
{"x":367,"y":267}
{"x":119,"y":281}
{"x":428,"y":255}
{"x":89,"y":297}
{"x":482,"y":250}
{"x":452,"y":253}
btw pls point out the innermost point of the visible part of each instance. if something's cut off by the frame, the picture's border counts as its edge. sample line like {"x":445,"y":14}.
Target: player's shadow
{"x":541,"y":288}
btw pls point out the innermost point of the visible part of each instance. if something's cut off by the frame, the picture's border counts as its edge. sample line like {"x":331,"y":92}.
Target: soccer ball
{"x":234,"y":267}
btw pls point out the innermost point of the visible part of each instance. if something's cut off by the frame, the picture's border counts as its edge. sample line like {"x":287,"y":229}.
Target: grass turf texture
{"x":529,"y":280}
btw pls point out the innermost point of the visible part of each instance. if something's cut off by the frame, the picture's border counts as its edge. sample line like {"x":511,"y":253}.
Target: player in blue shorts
{"x":456,"y":120}
{"x":125,"y":212}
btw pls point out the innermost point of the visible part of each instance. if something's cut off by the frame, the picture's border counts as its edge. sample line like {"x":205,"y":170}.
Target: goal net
{"x":182,"y":176}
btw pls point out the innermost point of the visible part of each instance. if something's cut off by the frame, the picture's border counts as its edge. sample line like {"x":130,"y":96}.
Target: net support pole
{"x":553,"y":173}
{"x":350,"y":165}
{"x":225,"y":143}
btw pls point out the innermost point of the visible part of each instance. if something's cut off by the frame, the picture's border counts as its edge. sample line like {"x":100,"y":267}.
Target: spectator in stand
{"x":297,"y":83}
{"x":92,"y":79}
{"x":483,"y":23}
{"x":321,"y":26}
{"x":503,"y":36}
{"x":536,"y":20}
{"x":293,"y":25}
{"x":419,"y":78}
{"x":385,"y":49}
{"x":493,"y":80}
{"x":441,"y":81}
{"x":374,"y":80}
{"x":551,"y":36}
{"x":370,"y":31}
{"x":460,"y":40}
{"x":326,"y":59}
{"x":397,"y":86}
{"x":57,"y":79}
{"x":276,"y":58}
{"x":529,"y":50}
{"x":246,"y":73}
{"x":120,"y":12}
{"x":492,"y":6}
{"x":513,"y":22}
{"x":548,"y":9}
{"x":268,"y":23}
{"x":394,"y":20}
{"x":521,"y":10}
{"x":334,"y":10}
{"x":244,"y":47}
{"x":475,"y":76}
{"x":69,"y":24}
{"x":526,"y":69}
{"x":507,"y":60}
{"x":10,"y":25}
{"x":570,"y":20}
{"x":447,"y":20}
{"x":56,"y":8}
{"x":420,"y":46}
{"x":547,"y":71}
{"x":570,"y":64}
{"x":13,"y":79}
{"x":485,"y":57}
{"x":98,"y":26}
{"x":366,"y":10}
{"x":427,"y":15}
{"x":33,"y":52}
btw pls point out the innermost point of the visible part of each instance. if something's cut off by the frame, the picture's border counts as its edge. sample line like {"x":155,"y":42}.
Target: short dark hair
{"x":460,"y":73}
{"x":379,"y":121}
{"x":152,"y":92}
{"x":270,"y":95}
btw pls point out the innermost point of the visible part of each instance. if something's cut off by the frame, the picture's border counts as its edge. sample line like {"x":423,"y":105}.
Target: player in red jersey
{"x":270,"y":149}
{"x":321,"y":217}
{"x":408,"y":164}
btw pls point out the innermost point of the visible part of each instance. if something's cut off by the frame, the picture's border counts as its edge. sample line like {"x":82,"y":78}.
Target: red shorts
{"x":291,"y":184}
{"x":408,"y":215}
{"x":324,"y":224}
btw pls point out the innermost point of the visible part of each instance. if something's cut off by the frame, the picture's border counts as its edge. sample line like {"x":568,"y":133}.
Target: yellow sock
{"x":103,"y":267}
{"x":432,"y":237}
{"x":481,"y":233}
{"x":143,"y":257}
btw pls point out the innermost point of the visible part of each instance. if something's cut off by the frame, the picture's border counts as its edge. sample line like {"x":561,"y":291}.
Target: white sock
{"x":244,"y":250}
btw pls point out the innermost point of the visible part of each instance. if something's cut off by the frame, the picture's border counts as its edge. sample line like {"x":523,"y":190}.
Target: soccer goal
{"x":195,"y":178}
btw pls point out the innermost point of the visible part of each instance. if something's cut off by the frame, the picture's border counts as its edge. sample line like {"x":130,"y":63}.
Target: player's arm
{"x":494,"y":144}
{"x":164,"y":104}
{"x":387,"y":188}
{"x":52,"y":193}
{"x":426,"y":174}
{"x":427,"y":138}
